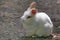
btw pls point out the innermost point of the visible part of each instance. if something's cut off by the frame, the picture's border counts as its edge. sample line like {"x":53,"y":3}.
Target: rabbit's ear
{"x":33,"y":5}
{"x":34,"y":11}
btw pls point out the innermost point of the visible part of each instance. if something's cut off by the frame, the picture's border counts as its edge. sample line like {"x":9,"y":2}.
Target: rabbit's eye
{"x":29,"y":17}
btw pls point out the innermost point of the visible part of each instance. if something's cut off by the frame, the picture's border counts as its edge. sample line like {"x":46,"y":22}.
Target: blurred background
{"x":12,"y":10}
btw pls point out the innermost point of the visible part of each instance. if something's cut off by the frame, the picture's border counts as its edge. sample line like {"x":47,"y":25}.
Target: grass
{"x":33,"y":38}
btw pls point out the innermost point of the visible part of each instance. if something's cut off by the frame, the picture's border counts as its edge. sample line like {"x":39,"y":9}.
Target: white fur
{"x":46,"y":23}
{"x":40,"y":24}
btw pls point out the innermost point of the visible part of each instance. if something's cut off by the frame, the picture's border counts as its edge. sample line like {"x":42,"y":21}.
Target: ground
{"x":11,"y":11}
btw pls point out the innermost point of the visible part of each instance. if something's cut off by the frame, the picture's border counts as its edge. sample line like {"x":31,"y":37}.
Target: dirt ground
{"x":11,"y":11}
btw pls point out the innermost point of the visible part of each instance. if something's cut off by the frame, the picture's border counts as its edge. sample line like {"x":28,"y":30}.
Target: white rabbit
{"x":39,"y":23}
